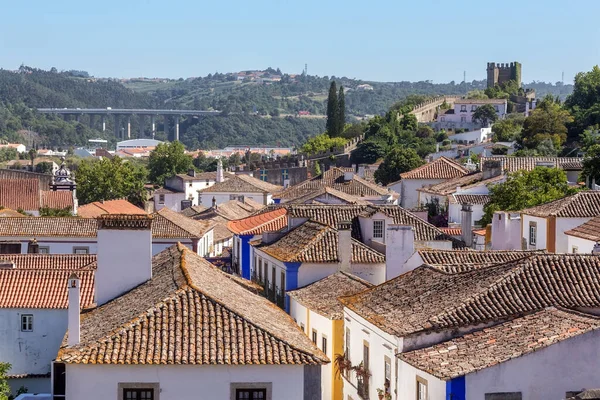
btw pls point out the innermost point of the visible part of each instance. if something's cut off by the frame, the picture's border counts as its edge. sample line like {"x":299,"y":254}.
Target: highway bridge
{"x":124,"y":114}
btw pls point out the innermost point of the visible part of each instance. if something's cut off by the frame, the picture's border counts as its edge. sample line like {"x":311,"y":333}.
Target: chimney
{"x":361,"y":170}
{"x":466,"y":223}
{"x":348,"y":175}
{"x":192,"y":172}
{"x":73,"y":311}
{"x":124,"y":254}
{"x":271,"y":236}
{"x":596,"y":250}
{"x":399,"y":247}
{"x":344,"y":245}
{"x":220,"y":177}
{"x":33,"y":247}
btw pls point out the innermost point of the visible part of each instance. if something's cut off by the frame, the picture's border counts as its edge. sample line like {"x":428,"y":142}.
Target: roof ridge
{"x":313,"y":241}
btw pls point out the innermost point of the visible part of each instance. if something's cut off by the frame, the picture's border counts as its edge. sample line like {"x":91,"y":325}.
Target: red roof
{"x":57,"y":199}
{"x":255,"y":225}
{"x":98,"y":208}
{"x":23,"y":194}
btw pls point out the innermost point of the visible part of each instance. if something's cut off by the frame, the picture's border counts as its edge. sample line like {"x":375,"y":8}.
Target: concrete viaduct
{"x":120,"y":114}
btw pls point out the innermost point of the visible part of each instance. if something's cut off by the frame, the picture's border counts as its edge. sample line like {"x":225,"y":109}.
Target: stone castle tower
{"x":503,"y":72}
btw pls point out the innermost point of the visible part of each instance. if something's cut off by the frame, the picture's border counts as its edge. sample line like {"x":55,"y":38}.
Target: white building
{"x":33,"y":312}
{"x":176,"y":326}
{"x":481,"y":135}
{"x":441,"y":331}
{"x":318,"y":312}
{"x":571,"y":165}
{"x":19,"y":147}
{"x":461,"y":116}
{"x":432,"y":173}
{"x":585,"y":237}
{"x":238,"y":187}
{"x":138,"y":144}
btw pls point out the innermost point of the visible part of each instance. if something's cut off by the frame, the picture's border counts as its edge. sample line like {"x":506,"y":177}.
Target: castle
{"x":501,"y":73}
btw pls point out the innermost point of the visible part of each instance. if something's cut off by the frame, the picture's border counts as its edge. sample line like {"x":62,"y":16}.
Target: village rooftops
{"x":242,"y":184}
{"x":182,"y":225}
{"x":97,"y":208}
{"x":322,"y":296}
{"x":453,"y":261}
{"x":313,"y":242}
{"x":230,"y":210}
{"x":189,"y":313}
{"x":479,"y":199}
{"x":265,"y":222}
{"x":25,"y":194}
{"x":442,"y":168}
{"x":589,"y":230}
{"x":330,"y":192}
{"x":40,"y":280}
{"x":500,"y":343}
{"x":428,"y":299}
{"x":513,"y":164}
{"x":464,"y":182}
{"x":584,"y":204}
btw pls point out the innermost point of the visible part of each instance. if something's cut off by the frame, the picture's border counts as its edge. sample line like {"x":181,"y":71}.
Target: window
{"x":44,"y":249}
{"x":324,"y":344}
{"x":138,"y":394}
{"x":314,"y":336}
{"x":161,"y":199}
{"x":10,"y":248}
{"x":575,"y":250}
{"x":26,"y":322}
{"x":251,"y":391}
{"x":503,"y":396}
{"x":473,"y":108}
{"x":463,"y":108}
{"x":282,"y":282}
{"x":387,"y":368}
{"x":497,"y":109}
{"x":302,"y":327}
{"x":260,"y":272}
{"x":250,"y":394}
{"x":347,"y":351}
{"x":81,"y":250}
{"x":532,"y":233}
{"x":273,"y":277}
{"x":232,"y":197}
{"x":366,"y":354}
{"x":463,"y":119}
{"x":422,"y":389}
{"x":378,"y":228}
{"x":266,"y":274}
{"x":207,"y":182}
{"x":139,"y":391}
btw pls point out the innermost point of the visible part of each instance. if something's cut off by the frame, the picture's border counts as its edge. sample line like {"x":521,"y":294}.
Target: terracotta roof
{"x":40,"y":280}
{"x":332,"y":178}
{"x":488,"y":347}
{"x":270,"y":221}
{"x":585,"y":204}
{"x":589,"y":230}
{"x":513,"y":164}
{"x":221,"y":232}
{"x":169,"y":223}
{"x":327,"y":191}
{"x":7,"y":212}
{"x":190,"y":313}
{"x":56,"y":199}
{"x":464,"y":182}
{"x":480,"y":199}
{"x":322,"y":296}
{"x":453,"y":261}
{"x":428,"y":298}
{"x":21,"y":194}
{"x":193,"y":210}
{"x":230,"y":210}
{"x":44,"y":179}
{"x":451,"y":231}
{"x":442,"y":168}
{"x":98,"y":208}
{"x":242,"y":184}
{"x":313,"y":242}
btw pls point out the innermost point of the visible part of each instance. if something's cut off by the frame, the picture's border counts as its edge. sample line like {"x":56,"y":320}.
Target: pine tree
{"x":332,"y":111}
{"x":341,"y":119}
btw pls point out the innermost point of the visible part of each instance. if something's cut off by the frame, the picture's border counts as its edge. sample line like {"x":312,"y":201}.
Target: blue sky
{"x":371,"y":40}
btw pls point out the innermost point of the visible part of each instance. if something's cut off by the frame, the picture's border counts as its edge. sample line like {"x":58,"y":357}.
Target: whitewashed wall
{"x":563,"y":225}
{"x":172,"y":201}
{"x":541,"y":231}
{"x":100,"y":382}
{"x":409,"y":196}
{"x":583,"y":245}
{"x":455,"y":215}
{"x":407,"y":383}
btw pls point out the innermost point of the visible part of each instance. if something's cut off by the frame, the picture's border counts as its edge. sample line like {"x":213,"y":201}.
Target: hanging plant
{"x":361,"y":371}
{"x":342,"y":365}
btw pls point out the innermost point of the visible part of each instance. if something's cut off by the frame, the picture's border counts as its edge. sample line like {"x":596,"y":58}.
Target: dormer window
{"x":27,"y":323}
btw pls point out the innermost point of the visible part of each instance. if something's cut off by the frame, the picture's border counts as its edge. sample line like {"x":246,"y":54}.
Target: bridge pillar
{"x":153,"y":125}
{"x":103,"y":123}
{"x":166,"y":118}
{"x":117,"y":126}
{"x":92,"y":119}
{"x":129,"y":127}
{"x":177,"y":127}
{"x":141,"y":123}
{"x":78,"y":118}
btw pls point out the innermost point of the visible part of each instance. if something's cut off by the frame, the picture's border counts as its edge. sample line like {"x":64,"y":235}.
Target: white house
{"x":571,"y":165}
{"x":19,"y":147}
{"x":425,"y":333}
{"x":461,"y":116}
{"x":318,"y":312}
{"x":476,"y":136}
{"x":33,"y":312}
{"x":544,"y":226}
{"x":238,"y":187}
{"x":432,"y":173}
{"x":585,"y":237}
{"x":177,"y":326}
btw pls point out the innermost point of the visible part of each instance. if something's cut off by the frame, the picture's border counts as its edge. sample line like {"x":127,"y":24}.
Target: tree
{"x":32,"y":153}
{"x":508,"y":129}
{"x":591,"y":164}
{"x":584,"y":102}
{"x":524,"y":189}
{"x":409,"y":122}
{"x":424,"y":132}
{"x":55,"y":212}
{"x":109,"y":179}
{"x":485,"y":114}
{"x":4,"y":388}
{"x":321,"y":142}
{"x":166,"y":160}
{"x":397,"y":161}
{"x":548,"y":121}
{"x":332,"y":111}
{"x":369,"y":151}
{"x":341,"y":117}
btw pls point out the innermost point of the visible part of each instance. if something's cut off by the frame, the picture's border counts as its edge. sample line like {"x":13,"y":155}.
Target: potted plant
{"x":342,"y":364}
{"x":383,"y":395}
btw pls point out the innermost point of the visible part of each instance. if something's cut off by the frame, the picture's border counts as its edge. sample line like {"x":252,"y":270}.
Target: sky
{"x":376,"y":40}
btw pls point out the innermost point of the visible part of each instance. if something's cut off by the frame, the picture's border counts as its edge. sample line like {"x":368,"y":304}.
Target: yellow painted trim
{"x":337,"y":347}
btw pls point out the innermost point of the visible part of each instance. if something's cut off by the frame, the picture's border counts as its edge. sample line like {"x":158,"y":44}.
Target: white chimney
{"x":596,"y":249}
{"x":466,"y":224}
{"x":399,"y":247}
{"x":220,"y":177}
{"x":124,"y":254}
{"x":73,"y":311}
{"x":361,"y":170}
{"x":344,"y":245}
{"x":348,"y":175}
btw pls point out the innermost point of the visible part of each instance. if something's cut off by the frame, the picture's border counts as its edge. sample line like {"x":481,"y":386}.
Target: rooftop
{"x":464,"y":182}
{"x":478,"y":199}
{"x":190,"y":313}
{"x":328,"y":191}
{"x":97,"y":208}
{"x":441,"y":168}
{"x":428,"y":298}
{"x":589,"y":230}
{"x":180,"y":225}
{"x":322,"y":296}
{"x":513,"y":164}
{"x":230,"y":210}
{"x":313,"y":242}
{"x":453,"y":261}
{"x":255,"y":225}
{"x":242,"y":184}
{"x":518,"y":337}
{"x":584,"y":204}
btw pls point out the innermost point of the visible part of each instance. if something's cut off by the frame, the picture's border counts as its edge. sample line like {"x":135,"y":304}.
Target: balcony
{"x":362,"y":386}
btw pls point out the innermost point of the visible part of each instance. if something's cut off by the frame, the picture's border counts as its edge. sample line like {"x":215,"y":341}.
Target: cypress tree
{"x":341,"y":119}
{"x":332,"y":111}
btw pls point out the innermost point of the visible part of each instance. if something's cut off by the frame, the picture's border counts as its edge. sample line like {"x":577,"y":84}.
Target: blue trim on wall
{"x":245,"y":258}
{"x":291,"y":280}
{"x":276,"y":201}
{"x":455,"y":389}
